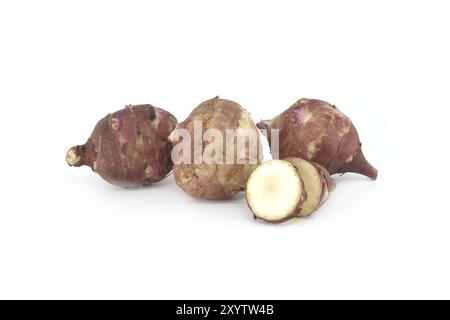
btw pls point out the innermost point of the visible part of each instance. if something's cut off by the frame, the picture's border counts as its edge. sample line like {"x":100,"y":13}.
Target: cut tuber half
{"x":275,"y":191}
{"x":318,"y":184}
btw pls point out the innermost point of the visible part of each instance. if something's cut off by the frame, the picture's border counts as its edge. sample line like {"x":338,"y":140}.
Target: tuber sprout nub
{"x":74,"y":156}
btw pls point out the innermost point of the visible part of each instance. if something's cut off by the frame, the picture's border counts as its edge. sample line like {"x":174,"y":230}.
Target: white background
{"x":65,"y":233}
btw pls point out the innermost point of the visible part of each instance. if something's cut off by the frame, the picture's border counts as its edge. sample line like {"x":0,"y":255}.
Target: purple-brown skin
{"x":129,"y":147}
{"x":214,"y":181}
{"x":317,"y":131}
{"x":328,"y":183}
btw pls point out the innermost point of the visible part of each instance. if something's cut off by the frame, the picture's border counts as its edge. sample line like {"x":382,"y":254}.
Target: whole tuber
{"x":217,"y":148}
{"x":129,"y":147}
{"x":317,"y":131}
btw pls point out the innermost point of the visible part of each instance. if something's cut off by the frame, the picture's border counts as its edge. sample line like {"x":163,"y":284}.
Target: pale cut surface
{"x":274,"y":191}
{"x":314,"y":185}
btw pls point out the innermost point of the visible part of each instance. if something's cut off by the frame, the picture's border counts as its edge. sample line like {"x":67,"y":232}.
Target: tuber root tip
{"x":368,"y":170}
{"x":373,"y":173}
{"x":360,"y":165}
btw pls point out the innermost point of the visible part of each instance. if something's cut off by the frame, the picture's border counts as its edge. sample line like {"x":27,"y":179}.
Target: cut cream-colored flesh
{"x":314,"y":185}
{"x":274,"y":191}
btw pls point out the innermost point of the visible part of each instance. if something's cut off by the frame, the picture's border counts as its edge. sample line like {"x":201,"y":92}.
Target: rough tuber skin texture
{"x":129,"y":147}
{"x":318,"y":184}
{"x":317,"y":131}
{"x":215,"y":180}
